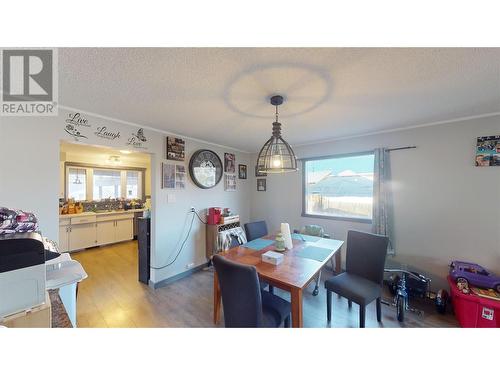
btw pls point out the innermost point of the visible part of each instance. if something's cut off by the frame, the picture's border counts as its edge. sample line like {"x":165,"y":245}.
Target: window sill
{"x":338,"y":218}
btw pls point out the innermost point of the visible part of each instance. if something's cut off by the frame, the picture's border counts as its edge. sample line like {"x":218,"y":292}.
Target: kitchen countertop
{"x":60,"y":318}
{"x":90,"y":213}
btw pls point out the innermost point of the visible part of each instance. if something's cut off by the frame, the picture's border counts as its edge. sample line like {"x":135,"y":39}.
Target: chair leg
{"x":349,"y":303}
{"x":362,"y":311}
{"x":271,"y":289}
{"x":328,"y":305}
{"x":316,"y":288}
{"x":286,"y":323}
{"x":379,"y":309}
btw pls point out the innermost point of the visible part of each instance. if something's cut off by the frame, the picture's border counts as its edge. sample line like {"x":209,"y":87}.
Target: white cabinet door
{"x":82,"y":236}
{"x":105,"y":232}
{"x":124,"y":230}
{"x":63,"y":238}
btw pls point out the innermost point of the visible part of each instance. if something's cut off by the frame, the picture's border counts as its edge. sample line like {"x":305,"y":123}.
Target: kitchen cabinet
{"x":111,"y":231}
{"x":105,"y":232}
{"x":82,"y":236}
{"x":63,"y":238}
{"x":88,"y":230}
{"x":124,"y":229}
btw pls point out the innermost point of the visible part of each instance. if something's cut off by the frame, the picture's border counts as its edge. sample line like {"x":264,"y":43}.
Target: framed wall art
{"x":180,"y":177}
{"x":173,"y":176}
{"x":175,"y":149}
{"x":167,"y":176}
{"x":229,"y":163}
{"x":261,"y":184}
{"x":242,"y":171}
{"x":230,"y":182}
{"x":488,"y":151}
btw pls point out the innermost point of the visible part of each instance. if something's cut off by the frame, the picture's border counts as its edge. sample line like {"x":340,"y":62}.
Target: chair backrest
{"x":240,"y":290}
{"x":255,"y":230}
{"x":234,"y":241}
{"x":313,"y":230}
{"x":365,"y":255}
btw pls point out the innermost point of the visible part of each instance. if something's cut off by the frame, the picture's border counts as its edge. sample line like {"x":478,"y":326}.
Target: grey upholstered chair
{"x":254,"y":230}
{"x":244,"y":303}
{"x":235,"y":243}
{"x":362,"y":281}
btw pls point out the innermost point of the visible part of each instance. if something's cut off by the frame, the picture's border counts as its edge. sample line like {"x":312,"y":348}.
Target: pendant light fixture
{"x":276,"y":156}
{"x":77,"y":178}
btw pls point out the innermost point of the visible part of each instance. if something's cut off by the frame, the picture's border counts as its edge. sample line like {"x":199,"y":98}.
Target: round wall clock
{"x":205,"y":169}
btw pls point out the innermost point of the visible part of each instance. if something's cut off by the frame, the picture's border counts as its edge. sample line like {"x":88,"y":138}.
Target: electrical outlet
{"x":190,"y":265}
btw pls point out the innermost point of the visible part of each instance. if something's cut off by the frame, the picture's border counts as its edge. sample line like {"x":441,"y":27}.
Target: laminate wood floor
{"x":112,"y":297}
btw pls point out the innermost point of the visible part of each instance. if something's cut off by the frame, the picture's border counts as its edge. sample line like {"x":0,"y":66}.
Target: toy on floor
{"x":405,"y":284}
{"x":465,"y":273}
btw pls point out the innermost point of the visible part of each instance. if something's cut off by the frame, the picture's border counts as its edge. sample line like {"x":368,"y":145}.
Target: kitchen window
{"x":339,"y":187}
{"x":86,"y":182}
{"x":77,"y":183}
{"x":133,"y":184}
{"x":107,"y":184}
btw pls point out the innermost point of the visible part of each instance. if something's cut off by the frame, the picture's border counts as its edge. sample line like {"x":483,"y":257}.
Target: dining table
{"x":299,"y":266}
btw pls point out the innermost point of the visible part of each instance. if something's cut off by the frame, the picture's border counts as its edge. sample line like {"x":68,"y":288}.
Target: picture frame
{"x":488,"y":151}
{"x":173,"y":176}
{"x":180,"y":177}
{"x":176,"y":149}
{"x":230,"y":182}
{"x":242,"y":171}
{"x":167,"y":176}
{"x":259,"y":174}
{"x":261,"y":184}
{"x":229,"y":163}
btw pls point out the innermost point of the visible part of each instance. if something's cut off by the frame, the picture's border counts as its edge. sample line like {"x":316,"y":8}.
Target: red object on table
{"x":214,"y":214}
{"x":473,"y":311}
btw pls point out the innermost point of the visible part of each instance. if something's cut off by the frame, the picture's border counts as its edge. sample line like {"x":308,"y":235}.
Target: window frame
{"x":90,"y":178}
{"x":329,"y":217}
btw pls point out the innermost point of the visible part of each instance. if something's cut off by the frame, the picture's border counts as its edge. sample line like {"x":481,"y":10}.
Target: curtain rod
{"x":400,"y":148}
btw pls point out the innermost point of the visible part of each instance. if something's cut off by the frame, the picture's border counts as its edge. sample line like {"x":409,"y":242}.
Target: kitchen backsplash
{"x":112,"y":204}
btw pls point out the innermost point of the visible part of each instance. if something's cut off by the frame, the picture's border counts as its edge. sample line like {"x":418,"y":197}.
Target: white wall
{"x":445,"y":207}
{"x":29,"y":180}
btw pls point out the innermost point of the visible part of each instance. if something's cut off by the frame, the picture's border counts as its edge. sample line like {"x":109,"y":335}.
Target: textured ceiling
{"x":221,"y":94}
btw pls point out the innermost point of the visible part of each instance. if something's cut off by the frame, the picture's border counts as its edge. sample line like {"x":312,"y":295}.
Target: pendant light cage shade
{"x":276,"y":156}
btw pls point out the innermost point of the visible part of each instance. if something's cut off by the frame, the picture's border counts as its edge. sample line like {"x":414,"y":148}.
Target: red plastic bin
{"x":473,"y":311}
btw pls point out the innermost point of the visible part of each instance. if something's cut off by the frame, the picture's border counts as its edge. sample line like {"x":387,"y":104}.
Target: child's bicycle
{"x":404,"y":284}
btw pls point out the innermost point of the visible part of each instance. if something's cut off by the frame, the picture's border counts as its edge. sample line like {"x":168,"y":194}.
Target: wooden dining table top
{"x":294,"y":271}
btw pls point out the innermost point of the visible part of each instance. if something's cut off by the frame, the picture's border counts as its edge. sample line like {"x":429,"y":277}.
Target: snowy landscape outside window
{"x":339,"y":187}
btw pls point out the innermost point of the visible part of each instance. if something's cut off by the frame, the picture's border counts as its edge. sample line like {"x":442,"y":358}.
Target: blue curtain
{"x":382,"y":222}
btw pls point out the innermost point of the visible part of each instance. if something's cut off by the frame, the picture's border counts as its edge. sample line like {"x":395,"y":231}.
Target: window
{"x":133,"y":178}
{"x":339,"y":187}
{"x":86,"y":182}
{"x":77,"y":184}
{"x":107,"y":184}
